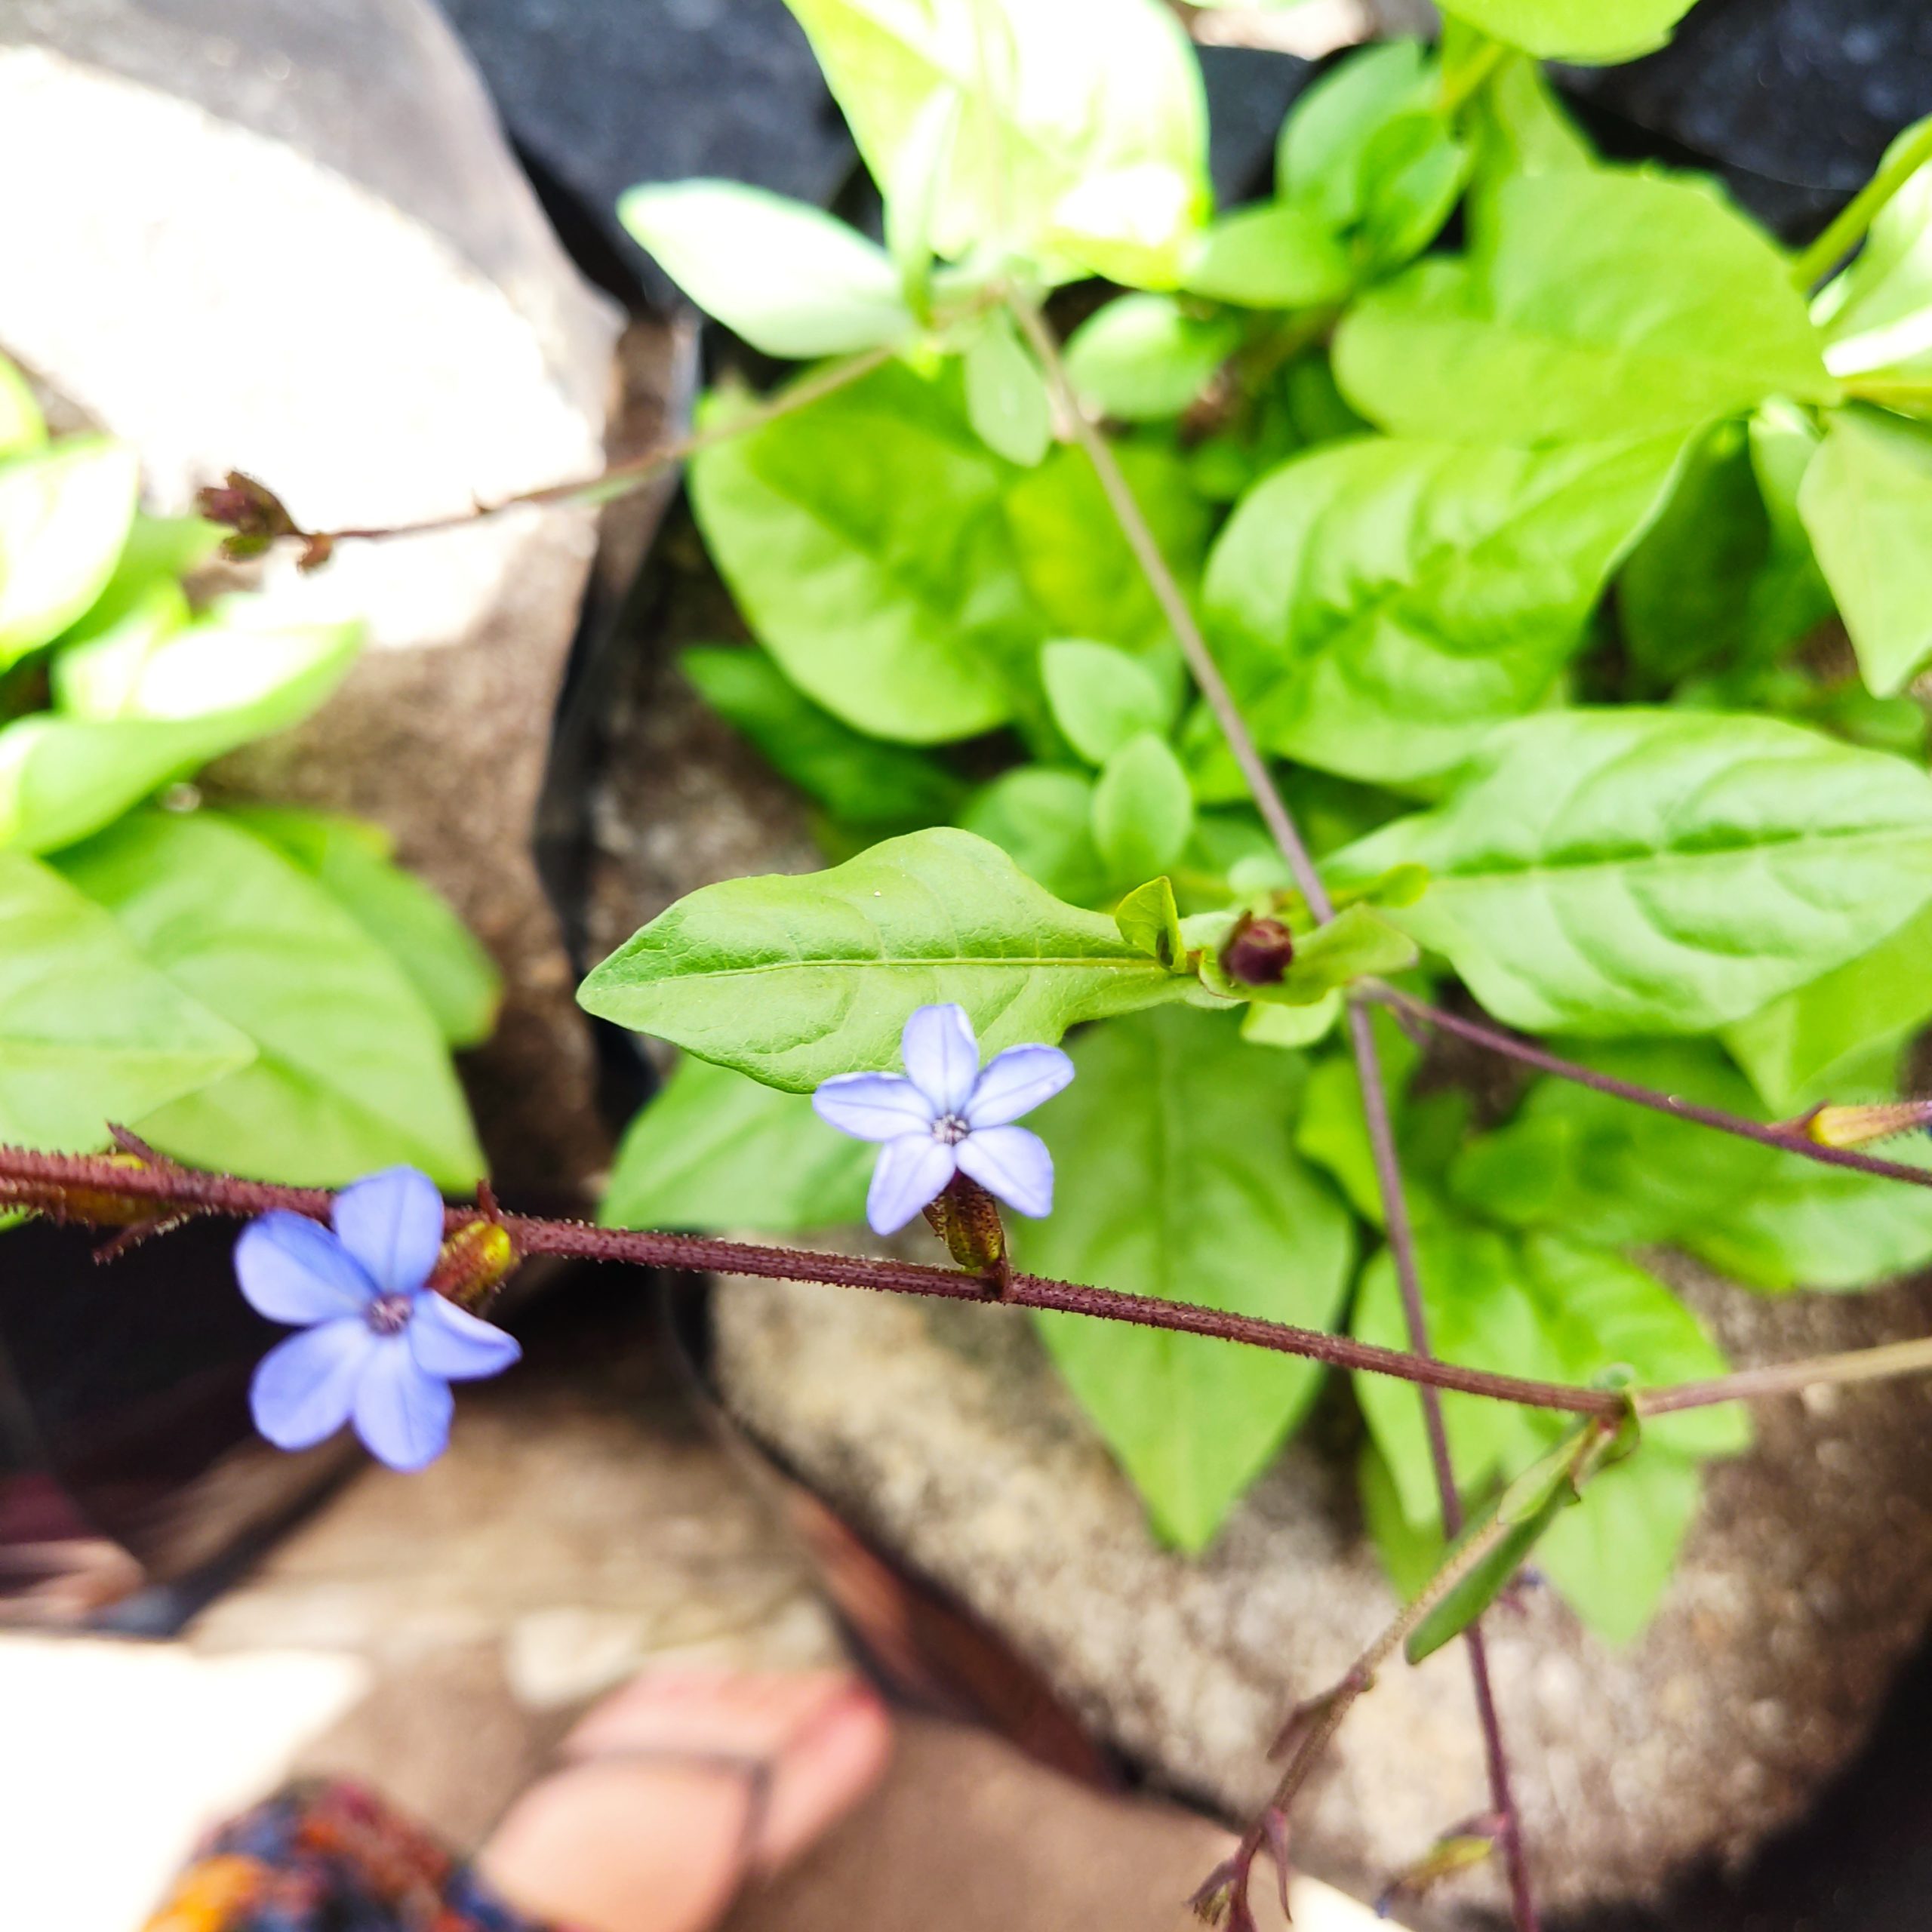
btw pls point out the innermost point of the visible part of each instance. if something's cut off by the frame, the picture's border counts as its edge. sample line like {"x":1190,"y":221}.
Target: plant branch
{"x":1786,"y":1140}
{"x":1281,"y":826}
{"x":1848,"y":227}
{"x":621,"y":479}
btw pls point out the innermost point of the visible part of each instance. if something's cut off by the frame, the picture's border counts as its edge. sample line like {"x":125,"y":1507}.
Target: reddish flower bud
{"x":1259,"y":951}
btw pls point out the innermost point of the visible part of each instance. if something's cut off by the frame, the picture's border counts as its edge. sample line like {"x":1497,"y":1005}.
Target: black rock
{"x":1793,"y":100}
{"x":601,"y":94}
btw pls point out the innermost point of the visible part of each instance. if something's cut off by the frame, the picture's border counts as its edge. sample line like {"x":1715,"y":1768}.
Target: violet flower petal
{"x":450,"y":1342}
{"x":911,"y":1171}
{"x":292,"y":1269}
{"x":1012,"y":1163}
{"x":873,"y":1107}
{"x":304,"y":1387}
{"x":1014,"y":1083}
{"x":392,"y":1223}
{"x":402,"y":1412}
{"x":942,"y":1057}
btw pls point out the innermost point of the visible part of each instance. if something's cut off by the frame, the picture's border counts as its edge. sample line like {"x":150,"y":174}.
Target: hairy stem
{"x":1281,"y":826}
{"x":1848,"y":227}
{"x":1786,"y":1140}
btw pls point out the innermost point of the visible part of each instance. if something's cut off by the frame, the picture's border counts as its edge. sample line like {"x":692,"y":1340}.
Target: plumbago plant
{"x":256,"y":988}
{"x":1419,"y":585}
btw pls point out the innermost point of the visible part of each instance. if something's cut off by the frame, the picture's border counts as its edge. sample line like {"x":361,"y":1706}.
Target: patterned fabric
{"x":330,"y":1858}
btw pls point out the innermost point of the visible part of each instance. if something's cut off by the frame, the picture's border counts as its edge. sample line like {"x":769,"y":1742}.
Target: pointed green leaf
{"x":1602,"y":304}
{"x":350,"y":1074}
{"x":1635,"y":871}
{"x":1143,"y":357}
{"x":1006,"y":395}
{"x":1581,"y":30}
{"x":788,"y":278}
{"x":793,"y":979}
{"x":1143,"y":811}
{"x":64,"y":514}
{"x":1178,"y":1177}
{"x":1101,"y":698}
{"x":1148,"y":919}
{"x":1276,"y":256}
{"x":89,"y":1031}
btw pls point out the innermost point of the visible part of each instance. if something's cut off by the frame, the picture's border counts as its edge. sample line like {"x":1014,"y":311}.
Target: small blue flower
{"x":946,"y":1115}
{"x":377,"y":1346}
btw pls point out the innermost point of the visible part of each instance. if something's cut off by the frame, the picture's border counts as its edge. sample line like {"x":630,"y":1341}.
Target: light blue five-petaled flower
{"x":377,"y":1347}
{"x":947,"y":1113}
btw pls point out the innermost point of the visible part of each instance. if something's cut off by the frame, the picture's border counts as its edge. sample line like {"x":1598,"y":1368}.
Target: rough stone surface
{"x":1807,"y":1580}
{"x":346,"y":288}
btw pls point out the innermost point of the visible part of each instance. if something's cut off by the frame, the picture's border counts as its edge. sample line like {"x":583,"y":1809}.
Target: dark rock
{"x":1794,"y":99}
{"x":601,"y":94}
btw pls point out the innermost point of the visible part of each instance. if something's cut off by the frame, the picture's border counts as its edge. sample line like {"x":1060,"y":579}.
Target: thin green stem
{"x":1849,"y":226}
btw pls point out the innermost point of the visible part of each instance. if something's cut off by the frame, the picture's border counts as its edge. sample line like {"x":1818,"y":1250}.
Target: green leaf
{"x":21,"y":427}
{"x":1596,"y":305}
{"x":1804,"y":1047}
{"x":64,"y":514}
{"x":1101,"y":697}
{"x":1149,"y":918}
{"x":1332,"y":1131}
{"x":715,"y":1150}
{"x":788,"y":278}
{"x":1867,"y":501}
{"x":1612,"y":1173}
{"x":1270,"y":1026}
{"x":1877,"y":315}
{"x":1082,"y":132}
{"x":865,"y":541}
{"x":1413,"y":173}
{"x":350,"y":1073}
{"x":793,"y":979}
{"x":1321,"y":156}
{"x":1383,"y":606}
{"x":145,"y":584}
{"x":1548,"y":1307}
{"x":1269,"y":257}
{"x":1520,"y":126}
{"x":1581,"y":30}
{"x":1612,"y":1556}
{"x":1526,"y":1508}
{"x":1143,"y":812}
{"x":1816,"y":1227}
{"x":1084,"y":580}
{"x":1143,"y":357}
{"x":1043,"y":817}
{"x":355,"y":864}
{"x":1355,"y":944}
{"x":1178,"y":1177}
{"x":89,"y":1031}
{"x":137,"y":708}
{"x":1636,"y":871}
{"x":1006,"y":396}
{"x":861,"y":781}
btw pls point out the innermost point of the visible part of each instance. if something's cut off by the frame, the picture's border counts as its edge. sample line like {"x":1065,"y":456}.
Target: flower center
{"x":389,"y":1315}
{"x":950,"y":1130}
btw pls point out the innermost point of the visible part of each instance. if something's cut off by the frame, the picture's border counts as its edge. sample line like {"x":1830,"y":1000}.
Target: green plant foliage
{"x":718,"y":1150}
{"x":792,"y":980}
{"x":89,"y":1031}
{"x":1177,"y":1176}
{"x":1636,"y":871}
{"x":1384,"y":605}
{"x":1082,"y":133}
{"x":350,"y":1072}
{"x":1596,"y":305}
{"x":1515,"y":495}
{"x":174,"y":973}
{"x":1602,"y":30}
{"x":1145,"y":356}
{"x":790,"y":280}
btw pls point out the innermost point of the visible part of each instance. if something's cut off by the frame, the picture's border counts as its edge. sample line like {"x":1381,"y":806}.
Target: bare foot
{"x":678,"y":1788}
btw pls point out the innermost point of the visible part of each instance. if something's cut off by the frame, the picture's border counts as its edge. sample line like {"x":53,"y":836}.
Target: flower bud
{"x":1259,"y":951}
{"x":966,"y":1217}
{"x":1859,"y":1126}
{"x":474,"y":1262}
